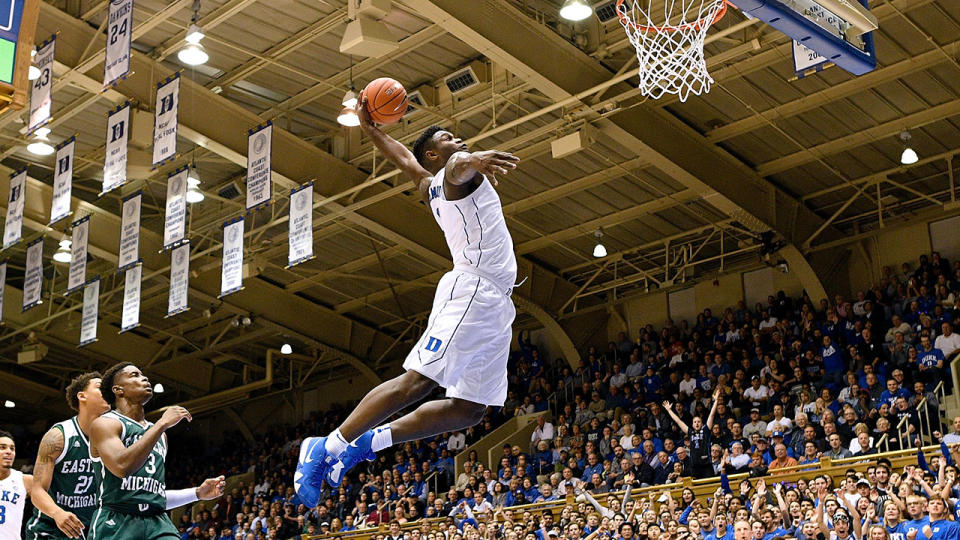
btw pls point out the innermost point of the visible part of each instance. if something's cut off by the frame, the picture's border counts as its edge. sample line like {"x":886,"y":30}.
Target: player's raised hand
{"x":494,"y":162}
{"x":363,"y":114}
{"x":70,"y":524}
{"x":173,"y":415}
{"x":211,"y":488}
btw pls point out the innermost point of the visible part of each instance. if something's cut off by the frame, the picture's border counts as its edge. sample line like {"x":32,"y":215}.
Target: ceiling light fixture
{"x":575,"y":10}
{"x":194,"y":193}
{"x":909,"y":155}
{"x":348,"y":115}
{"x":9,"y":404}
{"x":193,"y":53}
{"x":34,"y":72}
{"x":599,"y":250}
{"x":63,"y":254}
{"x":158,"y":388}
{"x":41,"y":144}
{"x":286,"y":349}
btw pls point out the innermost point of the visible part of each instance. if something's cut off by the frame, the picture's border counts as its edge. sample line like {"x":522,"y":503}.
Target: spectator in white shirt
{"x":948,"y":342}
{"x":688,"y":384}
{"x":457,"y":442}
{"x":543,"y":432}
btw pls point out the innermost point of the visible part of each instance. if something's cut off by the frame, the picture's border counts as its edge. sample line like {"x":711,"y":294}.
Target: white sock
{"x":382,"y":438}
{"x":336,"y":444}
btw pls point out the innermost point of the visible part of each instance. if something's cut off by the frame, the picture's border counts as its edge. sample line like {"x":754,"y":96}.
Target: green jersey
{"x":72,"y":486}
{"x":144,"y":491}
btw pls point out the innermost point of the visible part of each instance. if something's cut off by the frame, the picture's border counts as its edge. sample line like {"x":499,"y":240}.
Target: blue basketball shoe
{"x":314,"y":464}
{"x":356,"y":452}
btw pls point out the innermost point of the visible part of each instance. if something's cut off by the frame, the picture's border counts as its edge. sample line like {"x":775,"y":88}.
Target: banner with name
{"x":165,"y":120}
{"x":33,"y":275}
{"x":91,"y":311}
{"x":301,"y":224}
{"x":119,"y":29}
{"x":178,"y":302}
{"x":231,"y":278}
{"x":115,"y":158}
{"x":175,"y":220}
{"x":78,"y":254}
{"x":13,"y":227}
{"x":3,"y":285}
{"x":130,"y":318}
{"x":130,"y":231}
{"x":40,"y":90}
{"x":259,"y":147}
{"x":62,"y":181}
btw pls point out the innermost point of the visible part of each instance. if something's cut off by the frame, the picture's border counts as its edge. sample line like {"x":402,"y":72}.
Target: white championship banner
{"x":13,"y":227}
{"x":91,"y":312}
{"x":130,"y":318}
{"x":119,"y":29}
{"x":231,"y":277}
{"x":33,"y":275}
{"x":62,"y":181}
{"x":175,"y":220}
{"x":78,"y":254}
{"x":301,"y":224}
{"x":259,"y":146}
{"x":129,"y":231}
{"x":115,"y":158}
{"x":178,"y":302}
{"x":40,"y":90}
{"x":3,"y":285}
{"x":165,"y":120}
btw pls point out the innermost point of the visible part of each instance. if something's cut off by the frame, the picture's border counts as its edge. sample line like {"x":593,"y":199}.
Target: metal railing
{"x":925,"y":422}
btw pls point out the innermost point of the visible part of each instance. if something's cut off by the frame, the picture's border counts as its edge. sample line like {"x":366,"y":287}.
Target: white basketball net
{"x":670,"y":46}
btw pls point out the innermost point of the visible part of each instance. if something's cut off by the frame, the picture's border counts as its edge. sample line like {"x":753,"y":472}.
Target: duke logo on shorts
{"x":467,"y":341}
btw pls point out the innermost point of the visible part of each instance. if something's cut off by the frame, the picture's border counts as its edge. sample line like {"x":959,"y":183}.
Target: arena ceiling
{"x":680,"y":190}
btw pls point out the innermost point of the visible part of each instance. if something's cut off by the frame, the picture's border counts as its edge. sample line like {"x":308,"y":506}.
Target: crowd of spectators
{"x":785,"y":383}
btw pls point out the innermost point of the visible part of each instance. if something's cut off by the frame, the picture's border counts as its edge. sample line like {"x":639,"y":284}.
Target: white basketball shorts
{"x":467,"y":341}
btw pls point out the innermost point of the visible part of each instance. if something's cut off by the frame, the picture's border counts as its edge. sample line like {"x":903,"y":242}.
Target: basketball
{"x":386,"y":100}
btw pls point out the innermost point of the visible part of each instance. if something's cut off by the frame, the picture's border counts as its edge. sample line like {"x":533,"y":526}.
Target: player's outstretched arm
{"x":462,"y":167}
{"x":393,"y":150}
{"x":122,"y":460}
{"x":51,"y":446}
{"x":211,"y":488}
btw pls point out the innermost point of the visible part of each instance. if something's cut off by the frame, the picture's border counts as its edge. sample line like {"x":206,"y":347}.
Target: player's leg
{"x":433,"y":418}
{"x":384,"y":400}
{"x":160,"y":528}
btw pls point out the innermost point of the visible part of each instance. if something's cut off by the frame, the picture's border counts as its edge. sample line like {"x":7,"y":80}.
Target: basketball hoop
{"x":670,"y":52}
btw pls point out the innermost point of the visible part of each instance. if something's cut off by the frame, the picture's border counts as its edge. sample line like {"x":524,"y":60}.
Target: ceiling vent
{"x":606,"y":11}
{"x":461,"y":80}
{"x":230,"y":190}
{"x":414,"y":102}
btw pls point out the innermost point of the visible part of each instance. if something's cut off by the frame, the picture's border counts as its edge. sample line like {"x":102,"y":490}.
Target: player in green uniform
{"x":129,"y":453}
{"x":64,"y":490}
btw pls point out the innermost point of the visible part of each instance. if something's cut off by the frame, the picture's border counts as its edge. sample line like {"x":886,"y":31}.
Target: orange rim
{"x":696,"y":25}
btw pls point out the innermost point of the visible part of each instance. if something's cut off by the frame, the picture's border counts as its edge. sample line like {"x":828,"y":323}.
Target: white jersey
{"x":13,"y":499}
{"x":476,"y":232}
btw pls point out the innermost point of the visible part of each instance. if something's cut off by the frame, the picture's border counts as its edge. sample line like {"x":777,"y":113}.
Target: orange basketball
{"x":386,"y":100}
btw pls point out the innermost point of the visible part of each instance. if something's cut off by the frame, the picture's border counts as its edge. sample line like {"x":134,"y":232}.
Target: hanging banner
{"x":33,"y":275}
{"x":91,"y":309}
{"x":301,"y":224}
{"x":259,"y":146}
{"x":13,"y":227}
{"x":117,"y":62}
{"x":62,"y":181}
{"x":3,"y":285}
{"x":129,"y":231}
{"x":175,"y":221}
{"x":115,"y":158}
{"x":179,"y":280}
{"x":130,"y":318}
{"x":40,"y":95}
{"x":165,"y":120}
{"x":231,"y":278}
{"x":78,"y":254}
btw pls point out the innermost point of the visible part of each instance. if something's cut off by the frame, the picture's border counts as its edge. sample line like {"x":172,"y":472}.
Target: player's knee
{"x":472,"y":412}
{"x":417,"y":385}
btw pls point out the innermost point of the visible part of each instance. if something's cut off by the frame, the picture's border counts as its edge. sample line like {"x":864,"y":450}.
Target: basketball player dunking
{"x":14,"y":488}
{"x":64,"y":490}
{"x":129,"y":455}
{"x":465,"y":346}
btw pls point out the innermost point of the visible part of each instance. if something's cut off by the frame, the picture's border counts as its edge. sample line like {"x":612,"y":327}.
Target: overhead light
{"x":194,"y":193}
{"x":350,"y":99}
{"x":9,"y":404}
{"x":33,"y":73}
{"x":245,"y":321}
{"x":41,"y":144}
{"x":348,"y":117}
{"x":158,"y":388}
{"x":286,"y":349}
{"x":193,"y":53}
{"x":575,"y":10}
{"x":909,"y":155}
{"x":63,"y":254}
{"x":599,"y":250}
